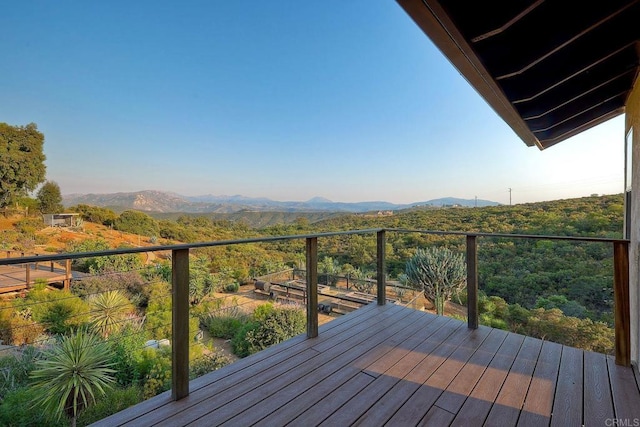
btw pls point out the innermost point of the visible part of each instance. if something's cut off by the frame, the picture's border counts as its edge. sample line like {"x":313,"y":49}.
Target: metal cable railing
{"x":180,"y":342}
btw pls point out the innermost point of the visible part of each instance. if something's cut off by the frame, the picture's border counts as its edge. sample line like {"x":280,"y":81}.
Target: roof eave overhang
{"x":435,"y":23}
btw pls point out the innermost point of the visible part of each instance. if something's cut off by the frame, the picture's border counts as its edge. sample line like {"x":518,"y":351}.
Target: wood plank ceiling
{"x":550,"y":68}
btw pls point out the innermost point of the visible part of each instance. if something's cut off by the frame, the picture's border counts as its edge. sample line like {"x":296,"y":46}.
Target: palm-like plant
{"x":70,"y":375}
{"x":108,"y":309}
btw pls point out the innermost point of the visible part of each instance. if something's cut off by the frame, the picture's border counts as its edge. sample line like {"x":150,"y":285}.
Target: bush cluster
{"x":550,"y":324}
{"x":268,"y":325}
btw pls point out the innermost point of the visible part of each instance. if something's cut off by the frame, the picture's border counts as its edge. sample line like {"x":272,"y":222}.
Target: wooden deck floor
{"x":15,"y":278}
{"x":400,"y":367}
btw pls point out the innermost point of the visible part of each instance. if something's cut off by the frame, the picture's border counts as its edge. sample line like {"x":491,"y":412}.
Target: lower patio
{"x":391,"y":365}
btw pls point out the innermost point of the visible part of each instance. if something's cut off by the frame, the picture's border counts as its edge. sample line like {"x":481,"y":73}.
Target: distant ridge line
{"x":164,"y":202}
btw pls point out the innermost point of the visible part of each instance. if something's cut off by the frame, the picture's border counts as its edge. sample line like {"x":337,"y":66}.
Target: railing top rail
{"x":158,"y":248}
{"x":509,"y":236}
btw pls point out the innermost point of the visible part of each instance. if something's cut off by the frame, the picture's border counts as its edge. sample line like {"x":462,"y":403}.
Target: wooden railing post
{"x":621,"y":306}
{"x":381,"y":267}
{"x":472,"y":281}
{"x":27,"y":274}
{"x":180,"y":324}
{"x":312,"y":286}
{"x":67,"y":274}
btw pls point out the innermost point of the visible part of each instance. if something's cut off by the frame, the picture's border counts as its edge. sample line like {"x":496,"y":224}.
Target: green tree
{"x":103,"y":264}
{"x":21,"y":161}
{"x":330,"y":268}
{"x":72,"y":374}
{"x":50,"y":198}
{"x":137,"y":223}
{"x":438,"y":272}
{"x":96,"y":214}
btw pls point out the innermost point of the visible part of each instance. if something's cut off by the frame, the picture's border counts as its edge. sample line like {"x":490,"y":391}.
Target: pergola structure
{"x":551,"y":69}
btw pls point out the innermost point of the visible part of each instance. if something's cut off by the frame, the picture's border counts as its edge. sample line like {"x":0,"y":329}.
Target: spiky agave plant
{"x":108,"y":309}
{"x":71,"y":374}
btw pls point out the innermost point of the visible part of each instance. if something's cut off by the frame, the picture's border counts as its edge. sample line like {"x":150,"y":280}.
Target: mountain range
{"x":161,"y":201}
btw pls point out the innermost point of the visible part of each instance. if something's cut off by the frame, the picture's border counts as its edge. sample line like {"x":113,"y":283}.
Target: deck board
{"x":596,"y":390}
{"x":314,"y":395}
{"x":402,"y":390}
{"x":347,"y":357}
{"x":538,"y":404}
{"x":418,"y":404}
{"x":456,"y":393}
{"x":508,"y":404}
{"x":390,"y":365}
{"x":387,"y":379}
{"x":626,"y":400}
{"x":477,"y":406}
{"x":567,"y":405}
{"x":222,"y":408}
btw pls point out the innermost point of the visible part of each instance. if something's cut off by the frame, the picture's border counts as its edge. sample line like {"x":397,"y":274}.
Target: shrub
{"x":137,"y":223}
{"x":263,"y":311}
{"x":239,"y":343}
{"x":282,"y":324}
{"x":551,"y":324}
{"x":174,"y":231}
{"x":131,"y":282}
{"x":15,"y":369}
{"x":231,"y":287}
{"x":207,"y":363}
{"x":221,"y":321}
{"x":17,"y":326}
{"x":29,"y":225}
{"x":16,"y":410}
{"x":102,"y":264}
{"x":58,"y":311}
{"x":115,"y":400}
{"x":223,"y":326}
{"x":96,"y":214}
{"x":200,"y":280}
{"x":155,"y":370}
{"x":127,"y":346}
{"x":271,"y":325}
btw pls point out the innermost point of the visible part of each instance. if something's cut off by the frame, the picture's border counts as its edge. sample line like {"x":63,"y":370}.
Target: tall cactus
{"x":438,"y":272}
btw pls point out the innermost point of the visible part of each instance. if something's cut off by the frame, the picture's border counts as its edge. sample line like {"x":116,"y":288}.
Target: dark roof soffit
{"x":547,"y":85}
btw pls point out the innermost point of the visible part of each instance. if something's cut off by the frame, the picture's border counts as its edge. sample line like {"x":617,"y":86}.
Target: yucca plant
{"x":108,"y":310}
{"x":71,"y":374}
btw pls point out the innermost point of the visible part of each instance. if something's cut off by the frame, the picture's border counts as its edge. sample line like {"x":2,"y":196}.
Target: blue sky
{"x":346,"y":100}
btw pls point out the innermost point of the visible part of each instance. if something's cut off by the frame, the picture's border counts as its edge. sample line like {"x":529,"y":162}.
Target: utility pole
{"x":476,"y":201}
{"x":509,"y":196}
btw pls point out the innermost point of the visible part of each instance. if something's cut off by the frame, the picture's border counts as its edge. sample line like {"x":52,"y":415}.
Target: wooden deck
{"x":14,"y":278}
{"x":395,"y":366}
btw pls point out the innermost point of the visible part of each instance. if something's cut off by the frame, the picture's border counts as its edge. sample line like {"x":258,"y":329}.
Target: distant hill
{"x":255,"y":219}
{"x":453,"y":201}
{"x":160,"y":201}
